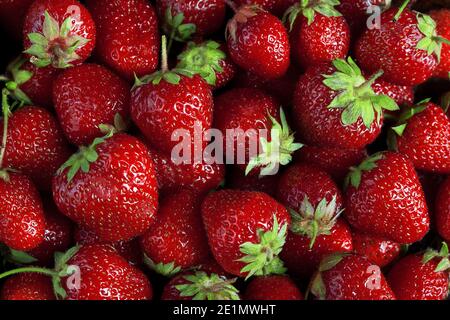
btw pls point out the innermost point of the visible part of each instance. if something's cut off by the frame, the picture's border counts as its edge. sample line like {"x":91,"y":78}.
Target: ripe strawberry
{"x":378,"y":251}
{"x":443,"y":210}
{"x":442,"y":19}
{"x":422,"y":133}
{"x":177,"y":240}
{"x":115,"y":192}
{"x":87,"y":96}
{"x":27,"y":286}
{"x":343,"y":276}
{"x":60,"y":33}
{"x":258,"y":42}
{"x":356,"y":13}
{"x":246,"y":231}
{"x":335,"y":106}
{"x":421,"y":276}
{"x":318,"y":32}
{"x":384,"y":198}
{"x":236,"y":179}
{"x":272,"y":288}
{"x":12,"y":14}
{"x":128,"y":36}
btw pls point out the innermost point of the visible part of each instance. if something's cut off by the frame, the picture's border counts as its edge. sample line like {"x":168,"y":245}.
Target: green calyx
{"x":431,"y":42}
{"x":56,"y":45}
{"x":312,"y":222}
{"x":202,"y":286}
{"x":277,"y":151}
{"x":356,"y":96}
{"x":176,"y":29}
{"x":165,"y":269}
{"x":354,"y":177}
{"x":203,"y":59}
{"x":15,"y":78}
{"x":309,"y":8}
{"x":262,"y":258}
{"x":443,"y":254}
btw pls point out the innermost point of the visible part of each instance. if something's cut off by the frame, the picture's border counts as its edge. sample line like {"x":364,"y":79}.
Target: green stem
{"x":400,"y":10}
{"x":47,"y":272}
{"x":370,"y":82}
{"x":164,"y":62}
{"x":5,"y":111}
{"x":171,"y":37}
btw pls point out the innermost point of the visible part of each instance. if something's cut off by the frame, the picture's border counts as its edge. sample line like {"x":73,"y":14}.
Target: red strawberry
{"x":272,"y":288}
{"x":423,"y":135}
{"x":246,"y":231}
{"x":350,"y":277}
{"x":12,"y":13}
{"x":27,"y":286}
{"x":87,"y":96}
{"x":379,"y":251}
{"x":421,"y":276}
{"x":177,"y":239}
{"x":115,"y":192}
{"x":236,"y":179}
{"x":443,"y":210}
{"x":319,"y":33}
{"x":442,"y":19}
{"x":335,"y":106}
{"x":60,"y":33}
{"x":384,"y":198}
{"x":128,"y":36}
{"x":356,"y":12}
{"x":258,"y":42}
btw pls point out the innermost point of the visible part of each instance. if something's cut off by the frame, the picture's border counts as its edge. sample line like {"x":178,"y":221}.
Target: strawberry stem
{"x":400,"y":10}
{"x":5,"y":111}
{"x":164,"y":62}
{"x":371,"y":81}
{"x":45,"y":271}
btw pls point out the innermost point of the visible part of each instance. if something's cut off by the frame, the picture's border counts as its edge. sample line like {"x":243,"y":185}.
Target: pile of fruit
{"x":347,"y":197}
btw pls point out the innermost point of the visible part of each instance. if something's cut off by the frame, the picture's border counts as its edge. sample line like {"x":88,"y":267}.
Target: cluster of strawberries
{"x":93,"y":206}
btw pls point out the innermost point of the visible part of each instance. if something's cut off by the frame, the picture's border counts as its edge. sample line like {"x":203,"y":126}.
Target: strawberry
{"x":87,"y":96}
{"x":246,"y":231}
{"x":236,"y":179}
{"x":12,"y":14}
{"x":272,"y":288}
{"x":115,"y":192}
{"x":442,"y":19}
{"x":356,"y":13}
{"x":318,"y":32}
{"x":128,"y":36}
{"x":27,"y":286}
{"x":443,"y":210}
{"x":343,"y":276}
{"x":60,"y":33}
{"x":258,"y":42}
{"x":379,"y":251}
{"x":421,"y":276}
{"x":335,"y":106}
{"x":384,"y":198}
{"x":177,"y":239}
{"x":422,"y":134}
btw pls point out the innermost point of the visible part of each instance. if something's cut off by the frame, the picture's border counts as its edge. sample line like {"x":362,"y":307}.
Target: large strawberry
{"x":60,"y":33}
{"x":246,"y":231}
{"x":258,"y":42}
{"x":442,"y":19}
{"x":87,"y":96}
{"x":384,"y":198}
{"x":379,"y":251}
{"x":318,"y":32}
{"x":443,"y":210}
{"x":27,"y":286}
{"x":109,"y":187}
{"x":12,"y":14}
{"x":274,"y":287}
{"x":335,"y":106}
{"x":127,"y":35}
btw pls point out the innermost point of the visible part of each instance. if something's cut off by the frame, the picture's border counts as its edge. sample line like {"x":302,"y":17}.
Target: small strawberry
{"x":343,"y":276}
{"x":443,"y":210}
{"x":246,"y":231}
{"x":60,"y":33}
{"x":379,"y":251}
{"x":318,"y":32}
{"x":356,"y":12}
{"x":87,"y":96}
{"x":272,"y":288}
{"x":384,"y":198}
{"x":258,"y":42}
{"x":442,"y":19}
{"x":12,"y":14}
{"x":421,"y":276}
{"x":27,"y":286}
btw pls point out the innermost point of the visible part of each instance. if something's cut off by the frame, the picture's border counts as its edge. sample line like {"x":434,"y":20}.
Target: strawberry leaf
{"x":165,"y":269}
{"x":309,"y":8}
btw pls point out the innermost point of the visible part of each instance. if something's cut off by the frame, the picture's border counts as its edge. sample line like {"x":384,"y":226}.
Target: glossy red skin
{"x":443,"y":210}
{"x":272,"y":288}
{"x":392,"y":48}
{"x":442,"y":19}
{"x":12,"y":13}
{"x":325,"y":39}
{"x":403,"y":95}
{"x":232,"y":218}
{"x":106,"y":275}
{"x":87,"y":96}
{"x":35,"y":145}
{"x":261,"y":46}
{"x":61,"y":10}
{"x":379,"y":251}
{"x":117,"y":198}
{"x":355,"y":13}
{"x":158,"y":110}
{"x":178,"y":234}
{"x":411,"y":279}
{"x":335,"y":161}
{"x":320,"y":126}
{"x":277,"y":7}
{"x":236,"y":179}
{"x":208,"y":16}
{"x":347,"y":281}
{"x":229,"y":70}
{"x":389,"y":202}
{"x":128,"y":36}
{"x":27,"y":286}
{"x":22,"y":221}
{"x":426,"y":140}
